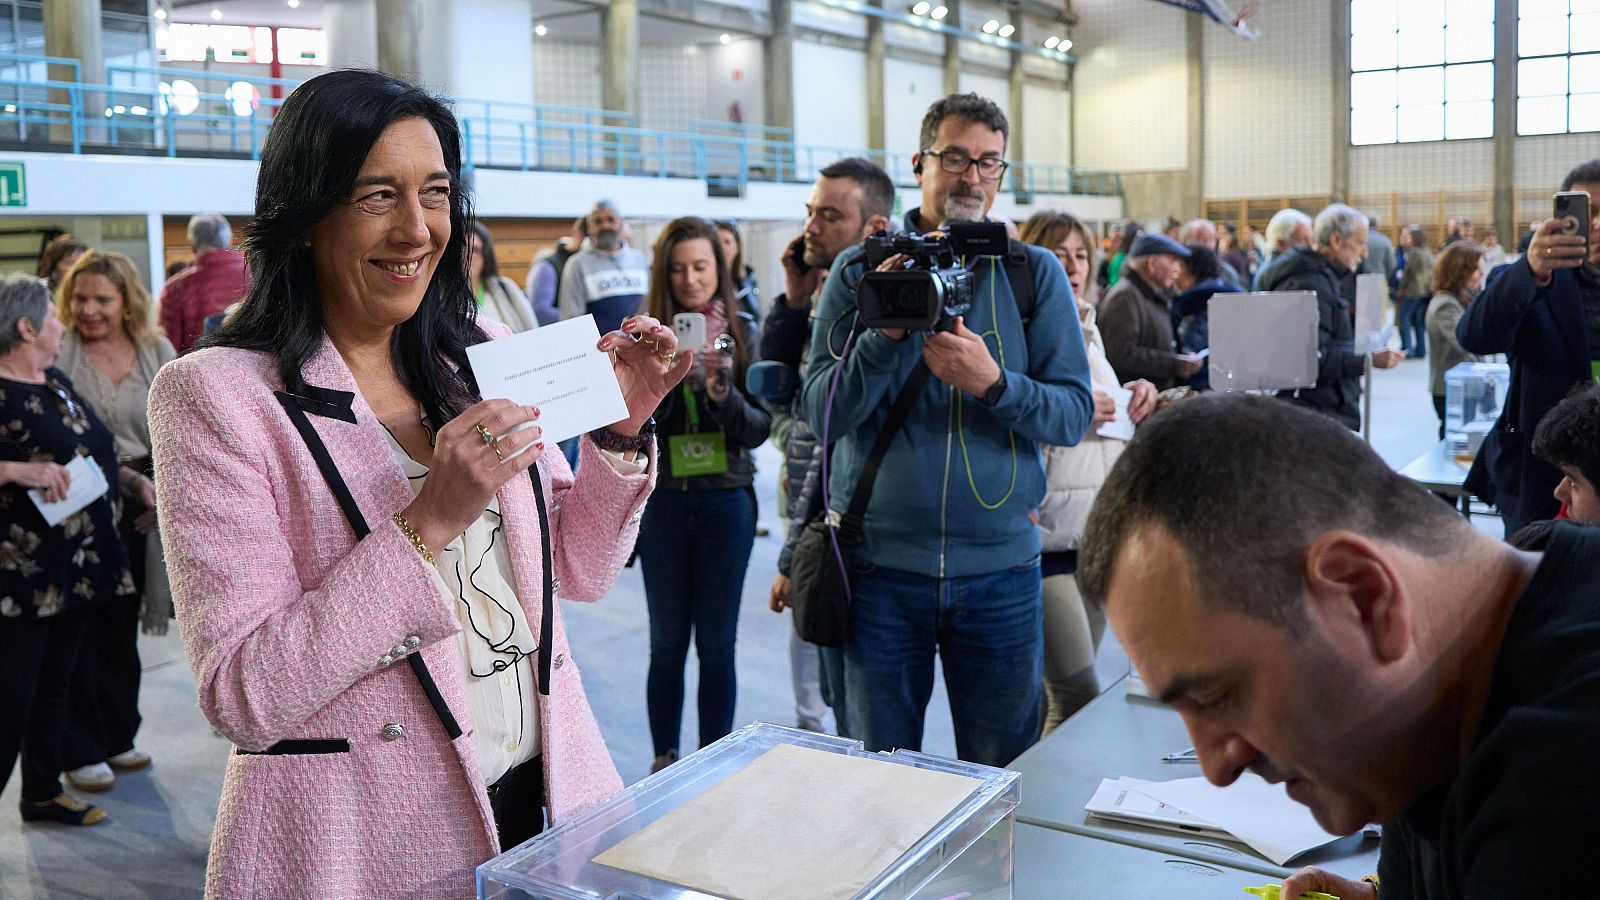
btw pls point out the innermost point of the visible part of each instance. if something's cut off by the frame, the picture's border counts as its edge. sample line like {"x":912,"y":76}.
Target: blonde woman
{"x":111,"y":351}
{"x":1073,"y":475}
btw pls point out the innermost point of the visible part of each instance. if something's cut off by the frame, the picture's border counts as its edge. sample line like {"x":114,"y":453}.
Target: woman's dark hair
{"x":735,"y":265}
{"x":491,"y":263}
{"x":309,"y":165}
{"x":661,"y":303}
{"x":50,"y":257}
{"x":1202,"y":263}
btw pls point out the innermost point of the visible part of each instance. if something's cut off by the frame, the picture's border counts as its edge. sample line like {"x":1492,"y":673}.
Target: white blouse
{"x":496,"y":645}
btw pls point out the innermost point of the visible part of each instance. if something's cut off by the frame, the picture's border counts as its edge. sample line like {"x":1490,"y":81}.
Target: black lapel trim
{"x":300,"y":747}
{"x":292,"y":404}
{"x":547,"y":612}
{"x":327,"y":402}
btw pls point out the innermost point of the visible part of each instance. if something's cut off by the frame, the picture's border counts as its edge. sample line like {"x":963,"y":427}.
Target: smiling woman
{"x":330,"y":471}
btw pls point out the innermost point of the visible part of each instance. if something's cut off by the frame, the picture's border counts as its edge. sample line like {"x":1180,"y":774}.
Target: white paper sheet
{"x":795,"y":823}
{"x":1263,"y":341}
{"x":1124,"y":800}
{"x":1250,"y":809}
{"x":1120,"y":428}
{"x":557,"y":368}
{"x":88,"y":485}
{"x":1372,"y":296}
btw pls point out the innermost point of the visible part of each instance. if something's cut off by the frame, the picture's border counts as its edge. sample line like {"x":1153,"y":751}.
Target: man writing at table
{"x":1319,"y":619}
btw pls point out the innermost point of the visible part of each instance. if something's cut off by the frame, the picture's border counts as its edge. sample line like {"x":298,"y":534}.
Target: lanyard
{"x":693,"y":409}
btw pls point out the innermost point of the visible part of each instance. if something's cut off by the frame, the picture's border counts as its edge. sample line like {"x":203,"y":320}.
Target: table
{"x":1052,"y":863}
{"x":1116,"y":735}
{"x":1438,"y":471}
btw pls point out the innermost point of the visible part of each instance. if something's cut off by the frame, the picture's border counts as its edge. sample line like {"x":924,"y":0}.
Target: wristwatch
{"x":606,"y":439}
{"x":993,"y":394}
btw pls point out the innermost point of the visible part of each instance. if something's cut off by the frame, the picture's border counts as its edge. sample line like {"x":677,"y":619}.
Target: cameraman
{"x":950,"y":560}
{"x":851,"y":199}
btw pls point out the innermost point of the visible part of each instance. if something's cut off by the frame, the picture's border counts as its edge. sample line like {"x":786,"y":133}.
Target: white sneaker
{"x":129,"y":760}
{"x":94,"y":779}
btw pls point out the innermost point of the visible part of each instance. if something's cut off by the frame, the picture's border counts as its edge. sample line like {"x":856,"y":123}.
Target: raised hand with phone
{"x":1563,"y":241}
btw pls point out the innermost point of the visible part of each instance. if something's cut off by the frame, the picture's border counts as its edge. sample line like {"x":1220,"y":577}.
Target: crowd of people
{"x":364,"y":555}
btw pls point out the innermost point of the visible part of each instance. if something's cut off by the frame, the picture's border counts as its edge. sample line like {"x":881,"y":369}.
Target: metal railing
{"x":173,"y":111}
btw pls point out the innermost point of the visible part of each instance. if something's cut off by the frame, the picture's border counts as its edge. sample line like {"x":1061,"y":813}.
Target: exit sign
{"x":13,"y":184}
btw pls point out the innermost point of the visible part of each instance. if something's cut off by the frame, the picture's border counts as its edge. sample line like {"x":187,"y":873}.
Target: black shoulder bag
{"x":819,"y":591}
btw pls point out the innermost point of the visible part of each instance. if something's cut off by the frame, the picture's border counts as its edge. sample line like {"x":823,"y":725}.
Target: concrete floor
{"x":155,"y":841}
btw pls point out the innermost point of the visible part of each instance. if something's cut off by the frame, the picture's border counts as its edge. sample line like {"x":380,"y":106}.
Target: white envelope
{"x":1120,"y":428}
{"x":557,"y":368}
{"x":88,"y":485}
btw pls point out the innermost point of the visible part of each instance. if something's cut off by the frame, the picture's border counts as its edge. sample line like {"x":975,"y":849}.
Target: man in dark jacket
{"x":1136,"y":320}
{"x":851,"y":199}
{"x":1330,"y":270}
{"x":1543,"y":311}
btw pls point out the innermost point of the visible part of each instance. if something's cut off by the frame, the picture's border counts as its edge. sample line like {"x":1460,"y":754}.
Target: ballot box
{"x":776,"y":812}
{"x":1473,"y":396}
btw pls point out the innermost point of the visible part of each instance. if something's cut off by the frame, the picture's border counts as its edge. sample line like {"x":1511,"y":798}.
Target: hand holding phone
{"x":800,"y":279}
{"x":690,"y":329}
{"x":1562,"y":241}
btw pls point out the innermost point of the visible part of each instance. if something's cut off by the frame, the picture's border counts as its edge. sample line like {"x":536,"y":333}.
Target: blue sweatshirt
{"x":926,"y":515}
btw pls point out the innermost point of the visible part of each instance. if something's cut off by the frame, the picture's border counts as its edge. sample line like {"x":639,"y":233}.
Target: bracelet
{"x":1372,"y":880}
{"x":606,"y":439}
{"x":413,"y":537}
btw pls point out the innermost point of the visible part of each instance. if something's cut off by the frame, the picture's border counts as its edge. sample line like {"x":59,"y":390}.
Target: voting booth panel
{"x":1263,"y":341}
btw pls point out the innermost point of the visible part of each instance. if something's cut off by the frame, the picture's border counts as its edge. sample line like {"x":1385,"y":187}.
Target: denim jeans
{"x":1413,"y":325}
{"x":988,"y":632}
{"x":694,"y":547}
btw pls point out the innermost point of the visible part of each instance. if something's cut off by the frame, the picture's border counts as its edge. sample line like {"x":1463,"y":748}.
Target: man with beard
{"x":1320,"y":620}
{"x":851,"y":199}
{"x":609,"y":277}
{"x":949,"y":561}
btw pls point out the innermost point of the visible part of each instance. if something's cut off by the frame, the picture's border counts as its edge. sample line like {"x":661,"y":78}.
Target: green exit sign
{"x":13,"y":184}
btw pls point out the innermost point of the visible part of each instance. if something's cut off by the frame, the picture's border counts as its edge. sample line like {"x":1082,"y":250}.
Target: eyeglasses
{"x":70,"y":406}
{"x":955,"y":162}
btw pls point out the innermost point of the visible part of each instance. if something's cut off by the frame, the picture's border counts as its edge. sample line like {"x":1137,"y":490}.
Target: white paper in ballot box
{"x":557,"y":368}
{"x":1263,"y":341}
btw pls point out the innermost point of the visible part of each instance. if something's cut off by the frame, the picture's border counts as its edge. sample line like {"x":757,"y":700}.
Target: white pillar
{"x":352,"y":29}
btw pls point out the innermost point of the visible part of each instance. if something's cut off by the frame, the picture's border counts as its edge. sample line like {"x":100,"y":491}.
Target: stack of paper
{"x":1250,"y":810}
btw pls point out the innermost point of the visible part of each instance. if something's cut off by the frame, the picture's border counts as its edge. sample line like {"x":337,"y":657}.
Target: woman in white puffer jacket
{"x":1073,"y":475}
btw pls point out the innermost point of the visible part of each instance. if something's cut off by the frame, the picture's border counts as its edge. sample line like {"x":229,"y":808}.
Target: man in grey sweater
{"x":608,"y":278}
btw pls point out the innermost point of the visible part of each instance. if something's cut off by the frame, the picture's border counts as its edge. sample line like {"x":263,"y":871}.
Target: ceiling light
{"x":1064,"y":46}
{"x":939,"y":12}
{"x":294,"y":4}
{"x":161,"y":14}
{"x":726,"y":39}
{"x":921,"y":9}
{"x":991,"y":26}
{"x":1051,"y":42}
{"x":540,"y":30}
{"x":216,"y":14}
{"x":1007,"y":30}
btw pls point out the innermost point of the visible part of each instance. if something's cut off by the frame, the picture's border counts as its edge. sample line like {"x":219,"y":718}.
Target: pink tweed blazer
{"x":286,"y":619}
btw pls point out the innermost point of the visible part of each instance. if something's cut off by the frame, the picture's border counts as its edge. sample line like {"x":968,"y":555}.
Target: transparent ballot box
{"x":1473,"y":395}
{"x":940,"y":828}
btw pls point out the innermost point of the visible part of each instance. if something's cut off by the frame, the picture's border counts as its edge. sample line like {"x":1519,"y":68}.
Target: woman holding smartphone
{"x":695,"y":539}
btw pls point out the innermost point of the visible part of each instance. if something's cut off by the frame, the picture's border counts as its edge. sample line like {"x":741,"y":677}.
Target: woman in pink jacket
{"x":363,"y":554}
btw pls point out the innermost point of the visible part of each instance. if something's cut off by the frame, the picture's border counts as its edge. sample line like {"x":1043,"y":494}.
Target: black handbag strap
{"x":853,"y":523}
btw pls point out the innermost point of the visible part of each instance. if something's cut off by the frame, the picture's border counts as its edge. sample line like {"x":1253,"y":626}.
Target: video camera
{"x":935,"y":288}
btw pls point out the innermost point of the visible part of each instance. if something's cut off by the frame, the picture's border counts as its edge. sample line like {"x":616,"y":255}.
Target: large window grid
{"x":1558,"y":70}
{"x":1421,"y":70}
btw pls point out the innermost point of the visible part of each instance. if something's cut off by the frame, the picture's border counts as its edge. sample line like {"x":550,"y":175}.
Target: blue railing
{"x":170,"y":111}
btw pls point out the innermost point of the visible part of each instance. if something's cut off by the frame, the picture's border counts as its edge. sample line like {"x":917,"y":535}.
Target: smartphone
{"x":1572,"y":211}
{"x":691,"y":331}
{"x":797,"y":255}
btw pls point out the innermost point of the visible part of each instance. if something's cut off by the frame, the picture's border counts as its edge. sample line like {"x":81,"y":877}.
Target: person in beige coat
{"x":1073,"y":475}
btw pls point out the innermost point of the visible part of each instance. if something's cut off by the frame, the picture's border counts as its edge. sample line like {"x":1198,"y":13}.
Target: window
{"x":1558,"y":72}
{"x":1421,"y":70}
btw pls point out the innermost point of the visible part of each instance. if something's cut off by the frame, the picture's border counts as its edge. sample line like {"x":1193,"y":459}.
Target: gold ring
{"x":488,"y":438}
{"x":666,"y":355}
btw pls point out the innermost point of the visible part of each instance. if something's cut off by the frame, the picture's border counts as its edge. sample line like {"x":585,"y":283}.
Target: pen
{"x":1182,"y":756}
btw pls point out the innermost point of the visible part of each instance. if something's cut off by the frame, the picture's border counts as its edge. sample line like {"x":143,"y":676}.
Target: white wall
{"x":1131,"y":86}
{"x":1431,"y":166}
{"x":567,"y":74}
{"x":736,"y":74}
{"x":480,"y":50}
{"x":909,"y":88}
{"x":352,"y":28}
{"x":1268,"y":104}
{"x":996,"y":88}
{"x":824,"y":114}
{"x":1047,"y":114}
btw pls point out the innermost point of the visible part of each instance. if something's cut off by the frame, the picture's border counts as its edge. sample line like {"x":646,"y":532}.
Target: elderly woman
{"x":111,"y":351}
{"x":1073,"y":475}
{"x":363,"y":552}
{"x":52,"y":577}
